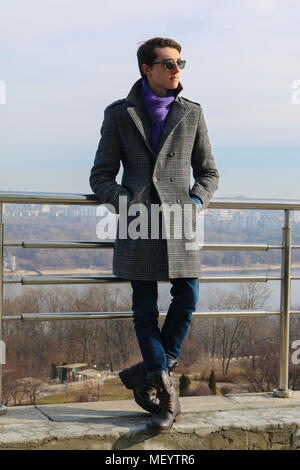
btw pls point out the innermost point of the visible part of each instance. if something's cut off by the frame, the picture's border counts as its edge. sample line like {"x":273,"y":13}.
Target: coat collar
{"x":138,"y":113}
{"x":135,"y":95}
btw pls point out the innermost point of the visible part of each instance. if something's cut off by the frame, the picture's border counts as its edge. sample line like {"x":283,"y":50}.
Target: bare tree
{"x":97,"y":341}
{"x":230,"y":333}
{"x":262,"y":369}
{"x":10,"y":387}
{"x":251,"y":295}
{"x":31,"y":386}
{"x":119,"y":335}
{"x":261,"y":345}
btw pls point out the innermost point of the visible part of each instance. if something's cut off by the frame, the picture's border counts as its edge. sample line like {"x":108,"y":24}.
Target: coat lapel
{"x":177,"y":112}
{"x":138,"y":113}
{"x":140,"y":118}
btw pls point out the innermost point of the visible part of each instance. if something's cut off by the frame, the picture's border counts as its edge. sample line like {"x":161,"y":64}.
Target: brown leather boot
{"x":145,"y":394}
{"x":169,"y":406}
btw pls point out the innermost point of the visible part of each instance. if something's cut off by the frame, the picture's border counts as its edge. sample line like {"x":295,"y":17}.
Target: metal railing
{"x":218,"y":203}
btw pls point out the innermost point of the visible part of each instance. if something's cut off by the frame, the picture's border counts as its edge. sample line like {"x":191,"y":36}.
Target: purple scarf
{"x":158,"y":108}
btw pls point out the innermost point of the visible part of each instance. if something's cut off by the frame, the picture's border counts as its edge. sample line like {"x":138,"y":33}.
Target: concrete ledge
{"x":239,"y":421}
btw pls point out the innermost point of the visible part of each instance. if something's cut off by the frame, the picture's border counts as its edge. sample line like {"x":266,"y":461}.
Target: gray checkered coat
{"x":151,"y":178}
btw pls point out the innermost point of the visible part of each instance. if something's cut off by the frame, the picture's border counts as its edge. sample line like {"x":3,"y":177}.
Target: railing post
{"x":3,"y":409}
{"x":283,"y":390}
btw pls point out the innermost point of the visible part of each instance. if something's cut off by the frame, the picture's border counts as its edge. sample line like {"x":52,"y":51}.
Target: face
{"x":159,"y":78}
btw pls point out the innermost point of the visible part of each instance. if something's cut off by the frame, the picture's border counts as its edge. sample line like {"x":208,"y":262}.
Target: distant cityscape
{"x":242,"y":218}
{"x":47,"y":210}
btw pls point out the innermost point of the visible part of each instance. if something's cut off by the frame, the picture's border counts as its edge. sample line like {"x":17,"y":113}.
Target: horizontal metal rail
{"x":61,"y":244}
{"x":18,"y":197}
{"x":110,"y":244}
{"x":127,"y":315}
{"x":237,"y":246}
{"x":34,"y":280}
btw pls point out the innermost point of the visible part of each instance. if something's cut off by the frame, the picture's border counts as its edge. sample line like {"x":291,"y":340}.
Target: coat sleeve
{"x":205,"y":172}
{"x":107,"y":164}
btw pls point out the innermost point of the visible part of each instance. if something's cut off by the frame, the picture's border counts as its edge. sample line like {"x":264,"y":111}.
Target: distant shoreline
{"x":253,"y":267}
{"x":87,"y":271}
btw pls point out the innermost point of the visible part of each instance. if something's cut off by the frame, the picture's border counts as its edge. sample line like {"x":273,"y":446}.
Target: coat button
{"x":171,"y":154}
{"x":178,"y":201}
{"x":172,"y":179}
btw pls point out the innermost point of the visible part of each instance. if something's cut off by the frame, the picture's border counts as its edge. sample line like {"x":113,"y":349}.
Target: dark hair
{"x":146,"y":53}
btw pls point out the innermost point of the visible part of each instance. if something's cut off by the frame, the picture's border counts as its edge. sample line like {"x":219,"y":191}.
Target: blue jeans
{"x":160,"y":349}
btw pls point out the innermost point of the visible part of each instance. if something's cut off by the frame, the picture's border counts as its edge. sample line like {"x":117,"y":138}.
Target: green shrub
{"x":184,"y":383}
{"x":212,"y":383}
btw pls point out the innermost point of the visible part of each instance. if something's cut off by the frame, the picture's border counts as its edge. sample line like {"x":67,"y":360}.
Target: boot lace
{"x":165,"y":394}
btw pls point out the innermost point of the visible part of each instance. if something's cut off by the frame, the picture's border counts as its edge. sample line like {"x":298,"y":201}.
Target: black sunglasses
{"x":169,"y":63}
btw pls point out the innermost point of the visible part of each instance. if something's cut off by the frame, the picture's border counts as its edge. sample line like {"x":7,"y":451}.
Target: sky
{"x":63,"y":61}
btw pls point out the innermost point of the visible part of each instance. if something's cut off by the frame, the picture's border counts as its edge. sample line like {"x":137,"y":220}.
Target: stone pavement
{"x":237,"y":421}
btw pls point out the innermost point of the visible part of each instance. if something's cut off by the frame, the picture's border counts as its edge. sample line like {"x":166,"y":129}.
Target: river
{"x":274,"y":286}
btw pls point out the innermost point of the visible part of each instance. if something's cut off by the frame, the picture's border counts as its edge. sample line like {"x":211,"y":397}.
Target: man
{"x":158,"y":136}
